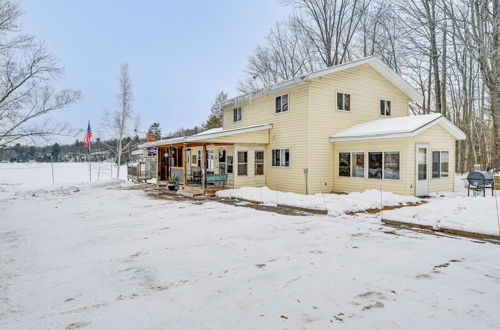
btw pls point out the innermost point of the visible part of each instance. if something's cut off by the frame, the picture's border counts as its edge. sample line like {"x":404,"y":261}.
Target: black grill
{"x":479,"y":181}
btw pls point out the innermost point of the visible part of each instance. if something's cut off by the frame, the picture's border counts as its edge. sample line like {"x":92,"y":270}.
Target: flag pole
{"x":90,"y":161}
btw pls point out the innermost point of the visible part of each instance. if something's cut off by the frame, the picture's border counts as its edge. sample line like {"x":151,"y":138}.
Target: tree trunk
{"x":495,"y":110}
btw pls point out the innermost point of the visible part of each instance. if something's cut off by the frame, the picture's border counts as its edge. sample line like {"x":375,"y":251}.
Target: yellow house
{"x":345,"y":128}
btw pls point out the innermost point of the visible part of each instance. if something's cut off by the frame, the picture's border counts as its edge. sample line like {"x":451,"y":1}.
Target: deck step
{"x":190,"y":192}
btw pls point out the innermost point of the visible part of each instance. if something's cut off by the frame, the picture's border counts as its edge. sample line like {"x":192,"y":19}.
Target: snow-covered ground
{"x":333,"y":203}
{"x":106,"y":257}
{"x":452,"y":210}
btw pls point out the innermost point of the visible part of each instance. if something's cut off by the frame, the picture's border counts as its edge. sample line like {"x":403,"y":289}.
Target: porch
{"x":214,"y":159}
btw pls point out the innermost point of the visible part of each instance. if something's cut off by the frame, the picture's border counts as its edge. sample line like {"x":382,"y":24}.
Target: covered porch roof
{"x":250,"y":134}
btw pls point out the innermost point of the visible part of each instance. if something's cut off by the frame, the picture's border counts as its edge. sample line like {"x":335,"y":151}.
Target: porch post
{"x":184,"y":158}
{"x":204,"y":166}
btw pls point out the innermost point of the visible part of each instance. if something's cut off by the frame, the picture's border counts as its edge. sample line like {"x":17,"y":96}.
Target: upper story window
{"x":281,"y":103}
{"x":237,"y":114}
{"x":385,"y":108}
{"x":343,"y":102}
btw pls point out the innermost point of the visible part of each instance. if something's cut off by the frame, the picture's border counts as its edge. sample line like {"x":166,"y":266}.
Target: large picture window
{"x":345,"y":164}
{"x":242,"y":163}
{"x":259,"y":163}
{"x":440,"y":164}
{"x":343,"y":102}
{"x":281,"y":157}
{"x":391,"y":165}
{"x":281,"y":103}
{"x":358,"y":165}
{"x":237,"y":114}
{"x":384,"y":165}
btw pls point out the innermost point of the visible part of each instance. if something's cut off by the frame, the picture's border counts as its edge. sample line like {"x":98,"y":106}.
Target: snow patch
{"x":335,"y":204}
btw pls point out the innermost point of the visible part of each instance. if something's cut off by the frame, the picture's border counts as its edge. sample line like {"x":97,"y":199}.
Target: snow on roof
{"x":398,"y":127}
{"x":210,"y":131}
{"x":209,"y":134}
{"x":373,"y":61}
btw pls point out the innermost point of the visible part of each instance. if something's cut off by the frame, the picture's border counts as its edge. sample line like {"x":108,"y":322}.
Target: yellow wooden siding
{"x":249,"y":180}
{"x":438,"y":139}
{"x":347,"y":184}
{"x":366,"y":87}
{"x":290,"y":130}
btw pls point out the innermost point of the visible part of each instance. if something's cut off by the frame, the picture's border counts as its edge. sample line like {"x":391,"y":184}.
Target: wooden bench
{"x":217,"y":179}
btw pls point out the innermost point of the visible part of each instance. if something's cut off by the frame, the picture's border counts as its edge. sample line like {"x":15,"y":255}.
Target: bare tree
{"x":27,"y":71}
{"x":477,"y":24}
{"x":285,"y":55}
{"x":330,"y":25}
{"x":122,"y":122}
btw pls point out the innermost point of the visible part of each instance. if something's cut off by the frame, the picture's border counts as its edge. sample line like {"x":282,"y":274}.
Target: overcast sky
{"x":180,"y":53}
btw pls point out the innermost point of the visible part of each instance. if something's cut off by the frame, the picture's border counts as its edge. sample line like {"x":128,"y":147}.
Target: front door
{"x":422,"y":173}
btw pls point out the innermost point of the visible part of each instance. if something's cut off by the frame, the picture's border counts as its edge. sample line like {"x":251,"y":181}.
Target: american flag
{"x":88,"y":135}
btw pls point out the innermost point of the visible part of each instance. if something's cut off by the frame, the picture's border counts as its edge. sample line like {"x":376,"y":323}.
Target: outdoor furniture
{"x":479,"y":181}
{"x":217,"y":179}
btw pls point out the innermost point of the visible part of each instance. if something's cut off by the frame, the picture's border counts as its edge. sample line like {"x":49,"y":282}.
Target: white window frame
{"x":238,"y":163}
{"x":440,"y":164}
{"x":383,"y":164}
{"x":386,"y":102}
{"x":282,"y":150}
{"x":343,"y":100}
{"x":263,"y":162}
{"x":281,"y":103}
{"x":235,"y":111}
{"x":350,"y":164}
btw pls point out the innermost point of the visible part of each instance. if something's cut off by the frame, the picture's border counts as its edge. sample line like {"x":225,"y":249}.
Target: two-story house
{"x":345,"y":128}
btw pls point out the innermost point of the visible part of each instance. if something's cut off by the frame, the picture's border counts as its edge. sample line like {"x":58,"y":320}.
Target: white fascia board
{"x":248,"y":129}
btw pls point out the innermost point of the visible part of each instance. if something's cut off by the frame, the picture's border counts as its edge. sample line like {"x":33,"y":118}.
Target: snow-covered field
{"x":102,"y":256}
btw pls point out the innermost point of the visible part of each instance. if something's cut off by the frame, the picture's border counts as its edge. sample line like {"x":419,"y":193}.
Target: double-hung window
{"x":385,"y":108}
{"x":281,"y":157}
{"x":440,"y":164}
{"x":259,"y":163}
{"x":242,"y":162}
{"x":343,"y":102}
{"x":237,"y":114}
{"x":281,"y":103}
{"x":384,"y":165}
